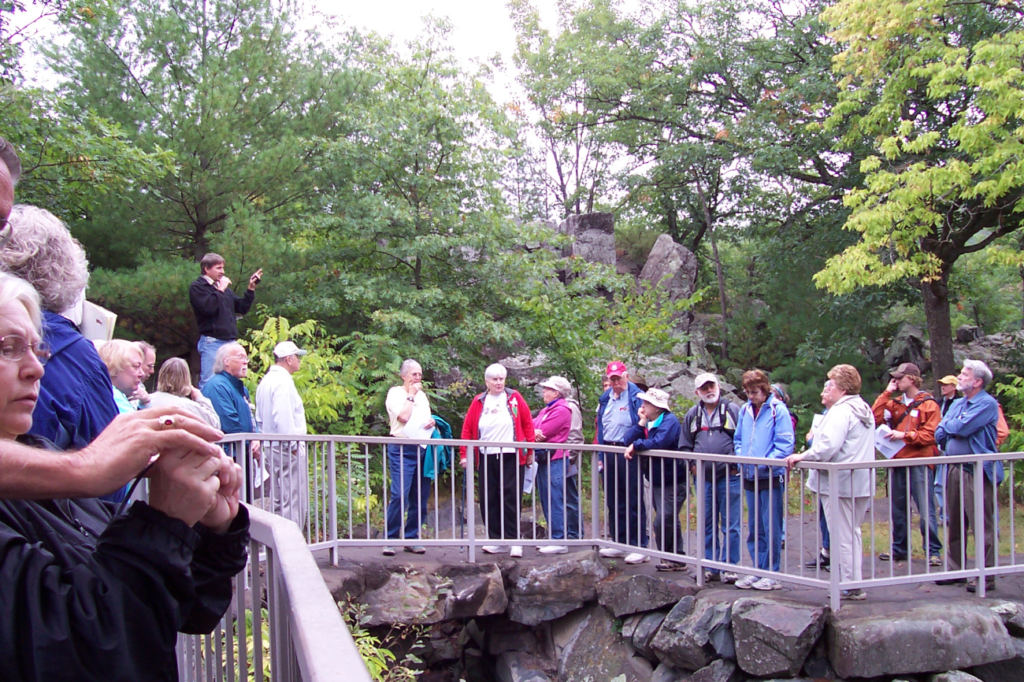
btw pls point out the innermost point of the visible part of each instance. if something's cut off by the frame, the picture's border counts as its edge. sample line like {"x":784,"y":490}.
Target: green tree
{"x":243,"y":100}
{"x":935,"y":87}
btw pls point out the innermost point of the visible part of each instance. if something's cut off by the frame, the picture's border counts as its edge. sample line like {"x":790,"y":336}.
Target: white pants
{"x":289,"y":491}
{"x":844,"y":516}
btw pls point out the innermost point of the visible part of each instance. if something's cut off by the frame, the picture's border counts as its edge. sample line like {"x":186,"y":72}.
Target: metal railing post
{"x":979,"y":524}
{"x":470,"y":488}
{"x":595,"y":494}
{"x":833,"y":586}
{"x":332,"y":501}
{"x":702,"y":520}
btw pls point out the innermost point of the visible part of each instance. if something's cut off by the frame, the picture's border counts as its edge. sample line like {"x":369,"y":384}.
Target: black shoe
{"x":821,"y":562}
{"x":885,"y":556}
{"x":972,"y":586}
{"x":952,"y":581}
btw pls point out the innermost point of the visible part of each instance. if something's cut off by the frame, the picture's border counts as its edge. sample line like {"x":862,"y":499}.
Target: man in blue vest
{"x":231,"y":401}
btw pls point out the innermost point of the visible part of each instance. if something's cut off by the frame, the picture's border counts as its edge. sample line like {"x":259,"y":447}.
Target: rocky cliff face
{"x":579,"y":617}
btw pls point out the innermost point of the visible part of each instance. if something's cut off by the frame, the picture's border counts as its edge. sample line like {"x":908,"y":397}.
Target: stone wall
{"x":580,"y":618}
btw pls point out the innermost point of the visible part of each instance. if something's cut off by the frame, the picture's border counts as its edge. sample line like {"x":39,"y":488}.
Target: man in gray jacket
{"x":709,"y":427}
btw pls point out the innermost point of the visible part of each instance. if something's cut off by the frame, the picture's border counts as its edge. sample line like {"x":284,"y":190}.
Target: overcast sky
{"x":480,"y":29}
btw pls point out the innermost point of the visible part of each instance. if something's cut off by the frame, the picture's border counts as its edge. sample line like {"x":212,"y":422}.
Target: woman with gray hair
{"x":174,"y":389}
{"x":76,"y":400}
{"x":555,"y":483}
{"x":501,"y":415}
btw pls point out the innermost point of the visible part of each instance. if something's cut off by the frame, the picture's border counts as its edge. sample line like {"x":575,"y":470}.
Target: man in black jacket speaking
{"x":216,"y":306}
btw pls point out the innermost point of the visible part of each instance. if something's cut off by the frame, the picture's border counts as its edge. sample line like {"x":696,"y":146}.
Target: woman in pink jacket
{"x":556,"y":483}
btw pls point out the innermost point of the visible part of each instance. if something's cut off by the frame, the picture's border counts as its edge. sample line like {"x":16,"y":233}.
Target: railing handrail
{"x":593,"y":447}
{"x":323,"y":645}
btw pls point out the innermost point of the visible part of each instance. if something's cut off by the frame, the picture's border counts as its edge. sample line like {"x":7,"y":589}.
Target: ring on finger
{"x":167,"y":422}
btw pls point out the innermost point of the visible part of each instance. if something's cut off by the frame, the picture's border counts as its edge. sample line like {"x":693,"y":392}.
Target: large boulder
{"x":906,"y":346}
{"x":671,"y":267}
{"x":518,"y":666}
{"x":624,"y":595}
{"x":666,"y":673}
{"x":966,"y":333}
{"x":409,"y":595}
{"x":644,"y":633}
{"x":589,"y":647}
{"x":899,"y":638}
{"x":773,"y":637}
{"x":593,"y":237}
{"x":695,"y":632}
{"x":718,"y":671}
{"x":545,"y":590}
{"x":1010,"y":670}
{"x":472,"y":590}
{"x":1001,"y":352}
{"x":953,"y":676}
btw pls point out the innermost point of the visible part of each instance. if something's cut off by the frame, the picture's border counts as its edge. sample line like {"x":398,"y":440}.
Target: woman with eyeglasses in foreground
{"x":85,"y":593}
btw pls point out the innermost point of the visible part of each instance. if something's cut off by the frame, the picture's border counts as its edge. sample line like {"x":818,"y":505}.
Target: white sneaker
{"x":610,"y":552}
{"x":492,"y":549}
{"x":747,"y":582}
{"x":767,"y":584}
{"x":517,"y":552}
{"x":636,"y":558}
{"x":729,"y":578}
{"x":554,"y":549}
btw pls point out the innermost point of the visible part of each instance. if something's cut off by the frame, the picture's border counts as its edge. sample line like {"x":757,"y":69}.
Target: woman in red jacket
{"x":500,"y":415}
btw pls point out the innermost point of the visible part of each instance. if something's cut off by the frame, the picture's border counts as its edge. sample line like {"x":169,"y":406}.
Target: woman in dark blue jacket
{"x":659,"y":430}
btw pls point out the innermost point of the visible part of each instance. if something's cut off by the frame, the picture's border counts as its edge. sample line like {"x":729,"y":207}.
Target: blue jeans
{"x":409,"y":491}
{"x":764,"y":524}
{"x":826,"y":539}
{"x":922,"y":490}
{"x":572,"y":507}
{"x":555,"y":491}
{"x":624,"y":497}
{"x":722,"y":519}
{"x":208,"y":347}
{"x":939,"y":484}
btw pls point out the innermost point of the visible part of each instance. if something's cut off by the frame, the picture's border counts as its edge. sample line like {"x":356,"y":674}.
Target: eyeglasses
{"x":14,"y":347}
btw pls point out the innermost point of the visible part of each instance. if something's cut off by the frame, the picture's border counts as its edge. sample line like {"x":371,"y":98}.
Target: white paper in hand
{"x":887,"y":447}
{"x":528,"y":478}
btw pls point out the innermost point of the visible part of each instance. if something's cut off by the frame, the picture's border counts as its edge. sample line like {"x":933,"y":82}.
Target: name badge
{"x":913,"y":413}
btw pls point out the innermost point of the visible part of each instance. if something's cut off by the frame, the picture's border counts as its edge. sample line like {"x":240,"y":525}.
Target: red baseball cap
{"x":615,"y":369}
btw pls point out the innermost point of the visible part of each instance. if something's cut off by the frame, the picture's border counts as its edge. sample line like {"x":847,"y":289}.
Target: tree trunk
{"x":935,"y":295}
{"x":721,"y":293}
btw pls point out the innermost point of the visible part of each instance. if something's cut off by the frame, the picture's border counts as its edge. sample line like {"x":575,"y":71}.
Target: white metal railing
{"x":348,"y":481}
{"x":301,"y":635}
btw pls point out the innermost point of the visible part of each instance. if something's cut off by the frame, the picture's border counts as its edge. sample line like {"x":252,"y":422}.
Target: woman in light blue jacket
{"x":765,"y":430}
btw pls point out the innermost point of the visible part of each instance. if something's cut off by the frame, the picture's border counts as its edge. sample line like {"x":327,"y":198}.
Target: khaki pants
{"x":845,"y":515}
{"x":960,"y":512}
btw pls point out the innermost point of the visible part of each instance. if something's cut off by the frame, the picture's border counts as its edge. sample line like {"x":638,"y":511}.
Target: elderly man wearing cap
{"x":912,"y":418}
{"x":279,"y":411}
{"x":618,"y":410}
{"x":658,"y":429}
{"x":709,"y":427}
{"x":555,"y":483}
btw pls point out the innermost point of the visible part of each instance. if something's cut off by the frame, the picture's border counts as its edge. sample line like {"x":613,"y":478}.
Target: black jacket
{"x":87,"y":597}
{"x":215,"y":310}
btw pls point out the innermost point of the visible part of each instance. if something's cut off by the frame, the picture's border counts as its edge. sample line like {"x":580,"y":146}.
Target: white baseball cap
{"x":705,"y":378}
{"x":286,"y":348}
{"x":656,"y":397}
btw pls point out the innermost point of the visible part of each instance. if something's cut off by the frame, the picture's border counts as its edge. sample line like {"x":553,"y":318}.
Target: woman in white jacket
{"x":845,"y":435}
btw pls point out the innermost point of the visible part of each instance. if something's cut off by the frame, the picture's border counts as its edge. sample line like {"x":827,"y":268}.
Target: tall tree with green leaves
{"x":241,"y":97}
{"x":936,"y":87}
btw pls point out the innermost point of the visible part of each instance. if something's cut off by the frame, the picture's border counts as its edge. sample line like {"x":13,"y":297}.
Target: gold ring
{"x":167,"y":422}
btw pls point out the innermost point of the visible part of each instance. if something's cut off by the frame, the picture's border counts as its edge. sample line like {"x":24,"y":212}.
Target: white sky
{"x":480,"y":29}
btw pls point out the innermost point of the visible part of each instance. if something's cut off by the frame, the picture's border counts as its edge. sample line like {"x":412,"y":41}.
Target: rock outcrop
{"x":542,"y":590}
{"x":927,"y":637}
{"x":593,"y":237}
{"x":671,"y":267}
{"x":776,"y":635}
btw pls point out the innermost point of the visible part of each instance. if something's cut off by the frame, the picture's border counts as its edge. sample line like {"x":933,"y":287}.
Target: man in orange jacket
{"x":913,"y":418}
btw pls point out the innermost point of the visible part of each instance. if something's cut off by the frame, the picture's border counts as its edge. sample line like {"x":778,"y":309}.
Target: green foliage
{"x":380,"y":661}
{"x":341,"y":381}
{"x":1011,"y":389}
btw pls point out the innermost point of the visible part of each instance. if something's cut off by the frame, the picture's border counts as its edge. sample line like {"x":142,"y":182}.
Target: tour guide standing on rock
{"x":215,"y":306}
{"x":969,"y":428}
{"x":618,"y":411}
{"x":913,"y":418}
